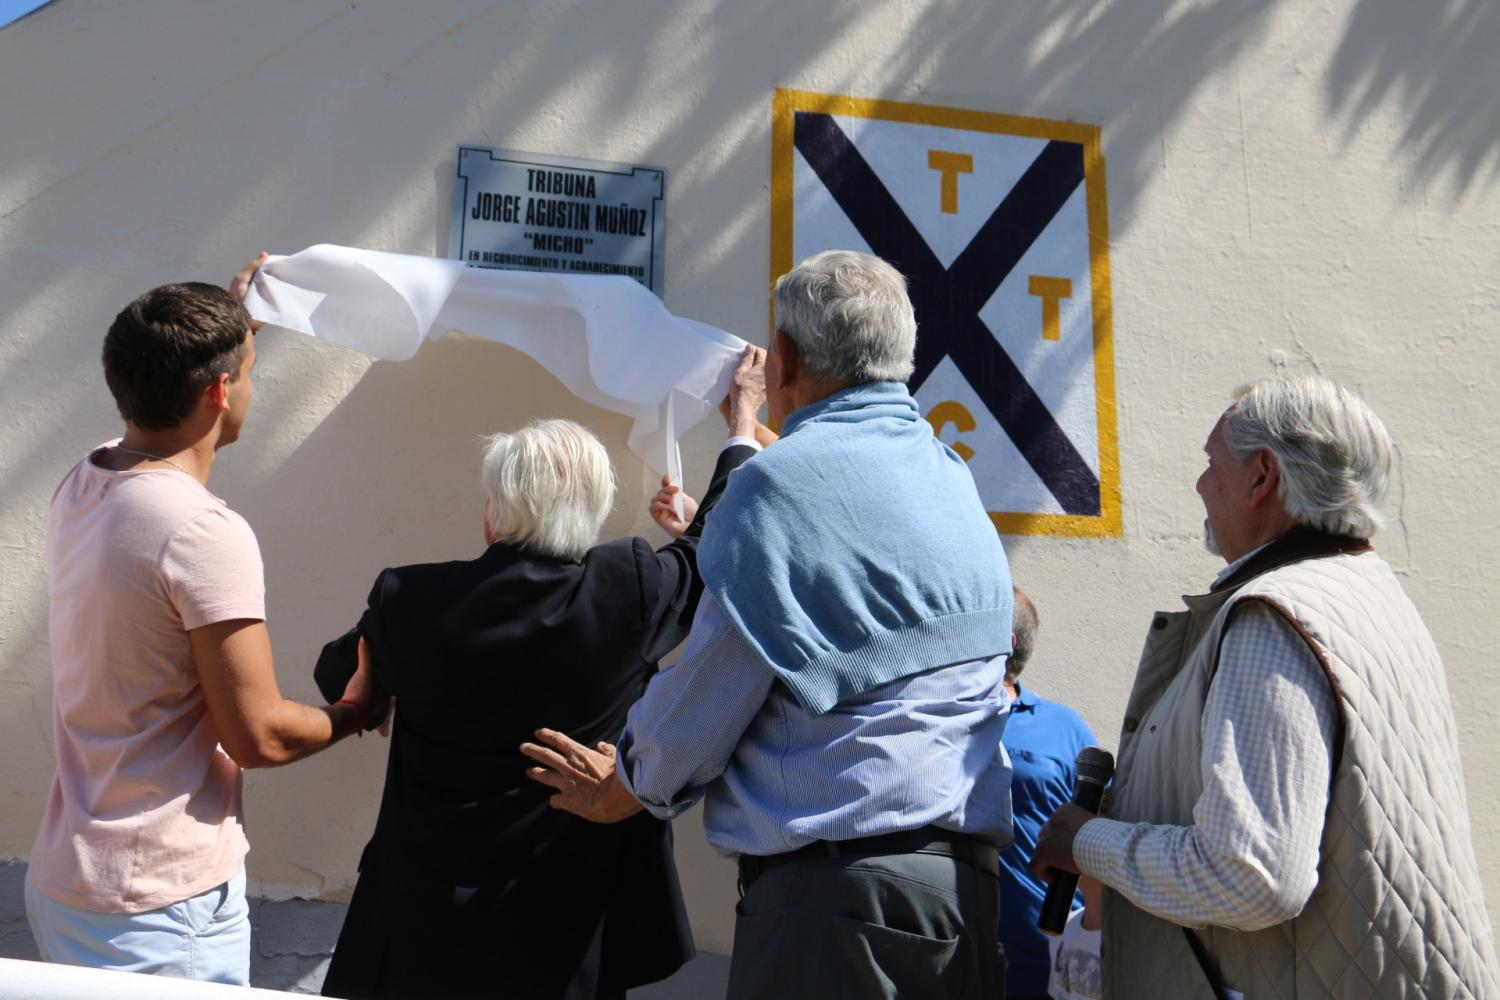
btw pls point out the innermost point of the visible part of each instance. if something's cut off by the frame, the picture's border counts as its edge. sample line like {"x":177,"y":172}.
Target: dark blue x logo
{"x":948,"y":300}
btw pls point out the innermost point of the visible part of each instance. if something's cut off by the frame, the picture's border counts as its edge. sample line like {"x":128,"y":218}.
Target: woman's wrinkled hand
{"x":665,"y":514}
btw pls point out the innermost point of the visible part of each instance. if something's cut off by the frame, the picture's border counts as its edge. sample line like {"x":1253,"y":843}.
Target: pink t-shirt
{"x":145,"y":808}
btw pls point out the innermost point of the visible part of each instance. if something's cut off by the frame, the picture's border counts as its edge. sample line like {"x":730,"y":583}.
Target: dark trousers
{"x":912,"y":926}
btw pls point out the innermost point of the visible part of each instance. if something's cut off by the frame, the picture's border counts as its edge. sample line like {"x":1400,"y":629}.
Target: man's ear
{"x":1267,"y":482}
{"x":788,"y":359}
{"x":217,"y":392}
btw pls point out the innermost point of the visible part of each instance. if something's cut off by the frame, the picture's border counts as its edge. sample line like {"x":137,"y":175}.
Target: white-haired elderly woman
{"x":472,"y":885}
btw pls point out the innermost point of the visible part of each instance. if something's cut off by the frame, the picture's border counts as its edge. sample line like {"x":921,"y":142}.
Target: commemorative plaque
{"x":537,"y":212}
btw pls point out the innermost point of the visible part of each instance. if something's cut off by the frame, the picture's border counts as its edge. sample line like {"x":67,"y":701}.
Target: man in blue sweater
{"x":839,"y":704}
{"x":1043,"y":739}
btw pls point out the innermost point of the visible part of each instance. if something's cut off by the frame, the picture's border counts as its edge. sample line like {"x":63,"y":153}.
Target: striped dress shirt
{"x":924,"y":749}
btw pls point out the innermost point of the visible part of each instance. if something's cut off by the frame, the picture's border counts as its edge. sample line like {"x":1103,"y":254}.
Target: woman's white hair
{"x":1333,"y":451}
{"x":549,"y":487}
{"x":850,"y":317}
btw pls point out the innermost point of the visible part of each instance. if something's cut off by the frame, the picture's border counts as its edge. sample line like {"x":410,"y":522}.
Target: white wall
{"x":1293,"y":185}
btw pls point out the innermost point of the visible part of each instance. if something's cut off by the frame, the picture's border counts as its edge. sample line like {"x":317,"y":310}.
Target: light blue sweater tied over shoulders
{"x":855,"y":550}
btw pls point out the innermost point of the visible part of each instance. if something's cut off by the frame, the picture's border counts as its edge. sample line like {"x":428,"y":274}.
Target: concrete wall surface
{"x":1293,"y":185}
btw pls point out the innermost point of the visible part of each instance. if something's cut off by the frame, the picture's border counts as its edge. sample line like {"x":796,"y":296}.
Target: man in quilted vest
{"x":1321,"y":847}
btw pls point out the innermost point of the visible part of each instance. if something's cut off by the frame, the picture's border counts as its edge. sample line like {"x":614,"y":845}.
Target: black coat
{"x":472,"y":885}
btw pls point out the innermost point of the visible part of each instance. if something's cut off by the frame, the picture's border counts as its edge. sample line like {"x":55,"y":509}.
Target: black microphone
{"x":1095,"y":766}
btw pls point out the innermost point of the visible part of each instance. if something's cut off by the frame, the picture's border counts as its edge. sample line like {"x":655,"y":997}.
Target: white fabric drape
{"x":607,"y":338}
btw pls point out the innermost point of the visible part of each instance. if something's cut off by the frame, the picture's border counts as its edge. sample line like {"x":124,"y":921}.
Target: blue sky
{"x":12,"y":9}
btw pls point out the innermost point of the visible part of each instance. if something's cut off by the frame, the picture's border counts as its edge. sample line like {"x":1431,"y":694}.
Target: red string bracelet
{"x":364,"y":716}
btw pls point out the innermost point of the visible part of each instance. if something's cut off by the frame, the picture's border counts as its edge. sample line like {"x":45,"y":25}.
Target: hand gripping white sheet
{"x":605,"y":337}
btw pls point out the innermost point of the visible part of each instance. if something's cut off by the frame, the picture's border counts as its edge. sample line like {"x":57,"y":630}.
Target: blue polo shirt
{"x":1043,"y":739}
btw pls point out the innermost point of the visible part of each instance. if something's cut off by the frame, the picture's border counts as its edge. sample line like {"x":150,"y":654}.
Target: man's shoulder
{"x":1056,"y":708}
{"x":763,"y":465}
{"x":1329,"y":586}
{"x":1061,"y":722}
{"x":151,"y":510}
{"x":1336,"y":570}
{"x":172,"y":496}
{"x":203,"y":519}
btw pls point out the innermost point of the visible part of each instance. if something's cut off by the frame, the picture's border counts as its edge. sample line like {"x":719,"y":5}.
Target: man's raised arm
{"x":257,"y":726}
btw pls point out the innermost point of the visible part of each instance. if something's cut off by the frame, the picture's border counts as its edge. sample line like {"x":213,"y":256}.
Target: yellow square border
{"x":786,"y":103}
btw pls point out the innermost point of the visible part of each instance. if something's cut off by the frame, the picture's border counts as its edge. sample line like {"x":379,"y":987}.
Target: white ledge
{"x":44,"y":981}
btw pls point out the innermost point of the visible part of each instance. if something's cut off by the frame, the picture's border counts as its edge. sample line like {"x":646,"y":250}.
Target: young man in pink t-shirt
{"x":163,"y":682}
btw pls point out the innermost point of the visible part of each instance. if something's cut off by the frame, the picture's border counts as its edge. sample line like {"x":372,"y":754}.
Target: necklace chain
{"x":147,"y":454}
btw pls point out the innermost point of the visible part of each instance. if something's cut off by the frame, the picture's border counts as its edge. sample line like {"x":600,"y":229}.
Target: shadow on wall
{"x":1056,"y":57}
{"x":1438,"y":59}
{"x":1096,"y":63}
{"x":410,"y":432}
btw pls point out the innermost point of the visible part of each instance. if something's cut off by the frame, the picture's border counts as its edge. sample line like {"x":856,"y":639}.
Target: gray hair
{"x":850,"y":317}
{"x":1333,"y":451}
{"x":549,"y":487}
{"x":1023,"y":624}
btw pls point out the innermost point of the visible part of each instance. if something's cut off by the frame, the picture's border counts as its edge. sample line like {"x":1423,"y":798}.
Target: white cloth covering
{"x":608,"y":339}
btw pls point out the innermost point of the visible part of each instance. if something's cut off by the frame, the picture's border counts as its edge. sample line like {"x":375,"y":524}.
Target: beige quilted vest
{"x":1398,"y":910}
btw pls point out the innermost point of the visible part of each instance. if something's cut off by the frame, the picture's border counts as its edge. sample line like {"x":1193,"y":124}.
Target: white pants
{"x":205,"y":937}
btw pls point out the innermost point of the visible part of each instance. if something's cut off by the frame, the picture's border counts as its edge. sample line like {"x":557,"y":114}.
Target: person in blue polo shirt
{"x":1043,"y":739}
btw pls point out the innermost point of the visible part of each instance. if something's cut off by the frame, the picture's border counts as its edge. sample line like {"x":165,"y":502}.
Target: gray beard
{"x":1209,"y":542}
